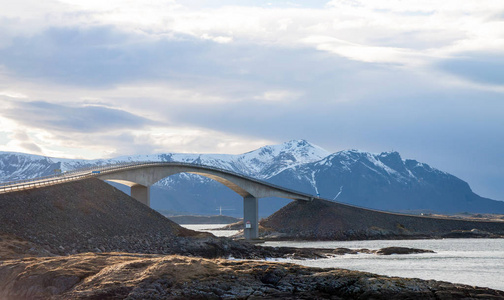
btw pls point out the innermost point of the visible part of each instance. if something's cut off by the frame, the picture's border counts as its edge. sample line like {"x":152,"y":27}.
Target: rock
{"x":474,"y":233}
{"x":343,"y":251}
{"x":401,"y":250}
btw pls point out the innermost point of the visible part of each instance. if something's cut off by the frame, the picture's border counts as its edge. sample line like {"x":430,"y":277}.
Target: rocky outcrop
{"x":326,"y":220}
{"x":127,"y":276}
{"x":401,"y":250}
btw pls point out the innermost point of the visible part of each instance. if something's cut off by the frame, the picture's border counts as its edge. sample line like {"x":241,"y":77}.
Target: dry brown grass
{"x":13,"y":247}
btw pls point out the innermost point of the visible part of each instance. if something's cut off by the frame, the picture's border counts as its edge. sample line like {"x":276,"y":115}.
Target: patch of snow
{"x":339,"y":193}
{"x":314,"y":183}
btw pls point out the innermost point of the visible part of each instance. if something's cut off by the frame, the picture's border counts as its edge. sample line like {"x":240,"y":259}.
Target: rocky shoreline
{"x":142,"y":276}
{"x":269,"y":234}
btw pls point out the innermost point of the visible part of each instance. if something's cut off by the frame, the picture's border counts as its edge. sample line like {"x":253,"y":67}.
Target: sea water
{"x":213,"y":228}
{"x":477,"y":262}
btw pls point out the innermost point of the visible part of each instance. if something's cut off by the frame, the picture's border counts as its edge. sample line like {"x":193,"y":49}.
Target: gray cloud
{"x":478,"y":67}
{"x":261,"y":3}
{"x":100,"y":56}
{"x":87,"y":119}
{"x":25,"y":142}
{"x":117,"y":144}
{"x":105,"y":56}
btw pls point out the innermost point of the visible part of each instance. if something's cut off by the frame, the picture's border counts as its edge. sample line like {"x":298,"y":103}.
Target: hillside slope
{"x":327,"y":220}
{"x":84,"y":216}
{"x":91,"y":216}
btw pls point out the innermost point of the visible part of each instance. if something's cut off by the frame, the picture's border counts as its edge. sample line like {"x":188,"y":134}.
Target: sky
{"x":98,"y":79}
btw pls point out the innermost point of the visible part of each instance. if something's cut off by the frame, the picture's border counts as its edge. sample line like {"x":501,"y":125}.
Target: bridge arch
{"x":141,"y":177}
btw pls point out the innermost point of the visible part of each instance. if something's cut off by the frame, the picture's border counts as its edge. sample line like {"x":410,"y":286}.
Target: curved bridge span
{"x":140,"y":176}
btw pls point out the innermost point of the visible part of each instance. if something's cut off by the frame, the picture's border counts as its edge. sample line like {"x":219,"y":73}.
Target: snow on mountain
{"x":19,"y":166}
{"x":261,"y":163}
{"x":271,"y":160}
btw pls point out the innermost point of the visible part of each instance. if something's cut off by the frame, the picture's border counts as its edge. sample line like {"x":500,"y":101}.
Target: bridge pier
{"x":251,"y":217}
{"x":141,"y":193}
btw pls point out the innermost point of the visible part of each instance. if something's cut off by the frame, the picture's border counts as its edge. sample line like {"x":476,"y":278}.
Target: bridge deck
{"x":80,"y":174}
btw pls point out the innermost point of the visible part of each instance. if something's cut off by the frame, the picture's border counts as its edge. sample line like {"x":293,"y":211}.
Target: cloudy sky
{"x":95,"y":79}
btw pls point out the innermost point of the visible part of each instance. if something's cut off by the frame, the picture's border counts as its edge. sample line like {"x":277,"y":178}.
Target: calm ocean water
{"x":478,"y":262}
{"x":211,"y":228}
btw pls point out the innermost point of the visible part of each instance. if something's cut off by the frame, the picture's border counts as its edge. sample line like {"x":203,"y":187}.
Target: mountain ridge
{"x":383,"y":180}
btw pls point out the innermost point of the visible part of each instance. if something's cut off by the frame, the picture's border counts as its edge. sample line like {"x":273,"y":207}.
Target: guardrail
{"x":72,"y":175}
{"x":66,"y":173}
{"x":40,"y":183}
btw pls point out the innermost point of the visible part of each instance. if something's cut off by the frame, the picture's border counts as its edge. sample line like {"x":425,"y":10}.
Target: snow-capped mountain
{"x":261,"y":163}
{"x":381,"y":181}
{"x":19,"y":166}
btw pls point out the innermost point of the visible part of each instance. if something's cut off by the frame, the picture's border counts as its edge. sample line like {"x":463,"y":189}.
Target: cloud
{"x":87,"y":119}
{"x":91,"y":131}
{"x":12,"y":94}
{"x":104,"y":44}
{"x":72,"y":56}
{"x":365,"y":53}
{"x":278,"y":96}
{"x":23,"y":142}
{"x":104,"y":56}
{"x":486,"y":69}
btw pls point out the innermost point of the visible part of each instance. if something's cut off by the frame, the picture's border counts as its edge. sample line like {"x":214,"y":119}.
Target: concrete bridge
{"x":140,"y":176}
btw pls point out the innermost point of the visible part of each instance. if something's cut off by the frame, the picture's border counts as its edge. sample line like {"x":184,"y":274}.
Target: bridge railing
{"x":51,"y":179}
{"x":63,"y":174}
{"x":40,"y":183}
